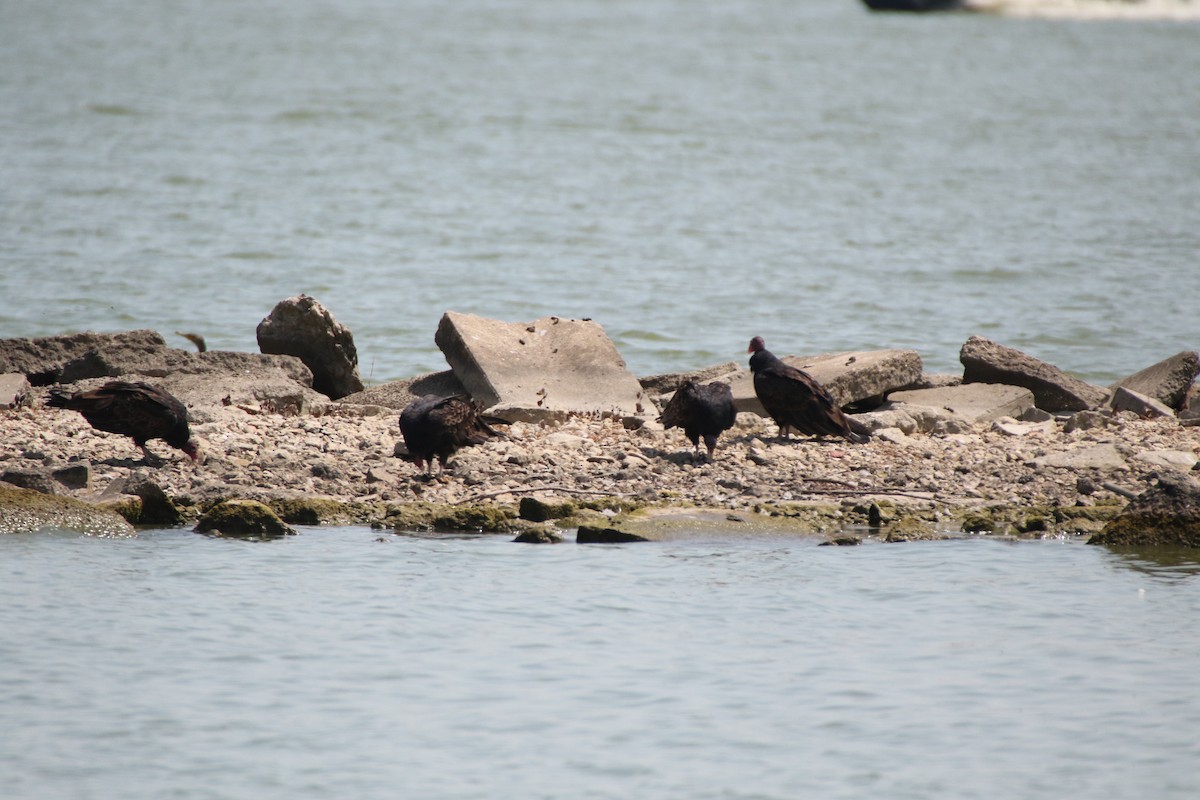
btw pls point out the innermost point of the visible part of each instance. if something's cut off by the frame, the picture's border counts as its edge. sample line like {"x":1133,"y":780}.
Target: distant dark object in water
{"x":914,"y":5}
{"x":794,"y":399}
{"x":436,"y":426}
{"x":701,"y":410}
{"x":138,"y":410}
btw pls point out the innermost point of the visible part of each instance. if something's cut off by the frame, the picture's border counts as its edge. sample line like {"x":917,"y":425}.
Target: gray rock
{"x":1101,"y":457}
{"x":1126,"y":399}
{"x":77,"y":356}
{"x":14,"y":389}
{"x":1172,"y":459}
{"x":985,"y":361}
{"x":271,"y":382}
{"x":975,"y":402}
{"x":666,"y":383}
{"x":864,"y":376}
{"x":1167,"y":381}
{"x":300,"y":326}
{"x":540,"y":370}
{"x":33,"y":480}
{"x":398,"y":394}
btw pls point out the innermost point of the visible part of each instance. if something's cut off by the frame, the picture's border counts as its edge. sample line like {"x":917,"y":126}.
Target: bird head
{"x":192,"y":448}
{"x":756,"y":344}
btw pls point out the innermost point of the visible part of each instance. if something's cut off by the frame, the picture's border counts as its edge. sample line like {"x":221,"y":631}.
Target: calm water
{"x":687,"y":173}
{"x":332,"y":665}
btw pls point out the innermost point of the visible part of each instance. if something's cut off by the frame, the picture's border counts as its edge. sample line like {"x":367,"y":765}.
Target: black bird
{"x":139,"y":410}
{"x":439,"y":426}
{"x":701,"y":410}
{"x":795,"y":400}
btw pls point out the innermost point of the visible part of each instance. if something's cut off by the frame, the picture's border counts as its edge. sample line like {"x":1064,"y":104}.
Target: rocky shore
{"x":267,"y":436}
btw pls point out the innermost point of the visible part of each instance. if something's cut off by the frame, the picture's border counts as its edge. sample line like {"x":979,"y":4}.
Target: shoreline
{"x":342,"y":467}
{"x":947,"y":455}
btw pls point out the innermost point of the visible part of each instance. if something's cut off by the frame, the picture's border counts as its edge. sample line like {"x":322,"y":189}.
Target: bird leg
{"x":149,"y":458}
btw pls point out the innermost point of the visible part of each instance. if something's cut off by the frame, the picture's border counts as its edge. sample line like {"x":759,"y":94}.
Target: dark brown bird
{"x":702,"y":411}
{"x":795,"y":400}
{"x":439,"y":426}
{"x":139,"y":410}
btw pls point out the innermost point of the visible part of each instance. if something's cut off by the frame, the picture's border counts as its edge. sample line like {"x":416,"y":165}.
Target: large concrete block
{"x":977,"y":402}
{"x":540,"y":370}
{"x":1167,"y":381}
{"x":14,"y":388}
{"x":985,"y":361}
{"x":849,"y":377}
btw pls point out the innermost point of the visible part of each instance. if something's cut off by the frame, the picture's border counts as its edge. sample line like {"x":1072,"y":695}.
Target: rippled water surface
{"x":352,"y":663}
{"x":688,"y":174}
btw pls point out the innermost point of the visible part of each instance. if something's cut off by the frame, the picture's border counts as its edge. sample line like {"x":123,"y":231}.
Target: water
{"x":688,"y":174}
{"x":332,"y":665}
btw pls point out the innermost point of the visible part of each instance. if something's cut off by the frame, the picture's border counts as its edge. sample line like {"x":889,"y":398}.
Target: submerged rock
{"x":1168,"y":513}
{"x":243,"y":518}
{"x":27,"y":511}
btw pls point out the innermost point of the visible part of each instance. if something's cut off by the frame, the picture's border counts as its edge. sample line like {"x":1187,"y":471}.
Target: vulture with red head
{"x":138,"y":410}
{"x":795,"y":400}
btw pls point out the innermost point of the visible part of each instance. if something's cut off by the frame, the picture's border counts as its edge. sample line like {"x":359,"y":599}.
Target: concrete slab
{"x":977,"y":402}
{"x":1125,"y":399}
{"x":1101,"y":457}
{"x":985,"y":361}
{"x":540,"y":370}
{"x":850,"y":377}
{"x":14,"y":388}
{"x":1167,"y":381}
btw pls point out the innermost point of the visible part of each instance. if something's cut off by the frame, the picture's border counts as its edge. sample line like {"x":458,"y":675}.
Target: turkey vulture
{"x":795,"y":400}
{"x":701,"y":410}
{"x":438,"y":426}
{"x":138,"y":410}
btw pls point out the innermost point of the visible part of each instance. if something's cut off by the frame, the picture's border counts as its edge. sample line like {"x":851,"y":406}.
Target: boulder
{"x":1167,"y":381}
{"x":976,"y":402}
{"x":156,"y":507}
{"x":593,"y":534}
{"x":243,"y":518}
{"x":27,"y":511}
{"x":863,"y":376}
{"x":302,"y":327}
{"x":985,"y":361}
{"x":1126,"y":399}
{"x":541,"y":370}
{"x":398,"y":394}
{"x":1168,"y":513}
{"x":14,"y":388}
